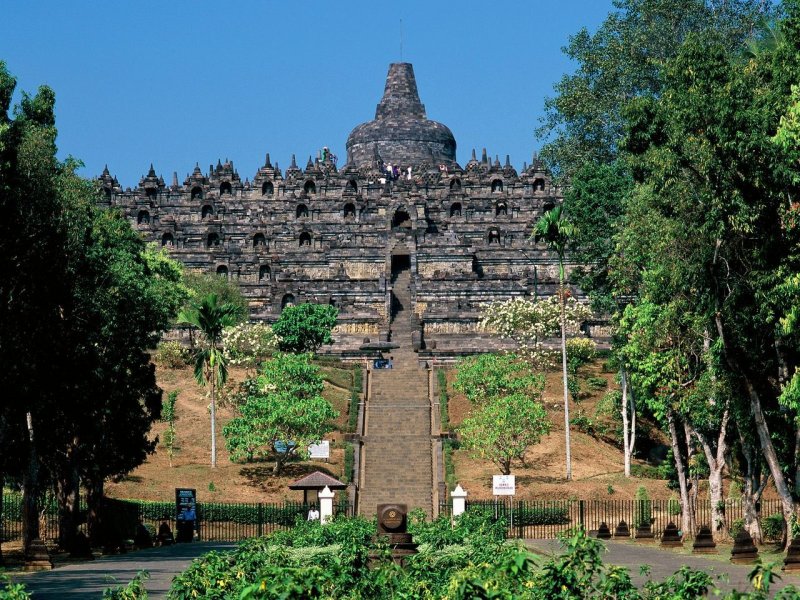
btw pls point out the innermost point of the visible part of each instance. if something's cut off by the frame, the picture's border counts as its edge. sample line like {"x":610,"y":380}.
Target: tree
{"x":170,"y":416}
{"x":556,"y":230}
{"x":210,"y":364}
{"x":502,"y":429}
{"x":625,"y":58}
{"x":711,"y":129}
{"x":305,"y":327}
{"x":82,"y":299}
{"x":282,"y":412}
{"x":487,"y":376}
{"x":201,"y":285}
{"x":531,"y":322}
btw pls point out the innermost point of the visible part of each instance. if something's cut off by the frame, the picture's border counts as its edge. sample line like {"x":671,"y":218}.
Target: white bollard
{"x":325,"y":505}
{"x":459,"y":496}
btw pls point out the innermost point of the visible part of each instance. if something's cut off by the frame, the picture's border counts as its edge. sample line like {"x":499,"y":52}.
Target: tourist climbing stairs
{"x":397,"y":456}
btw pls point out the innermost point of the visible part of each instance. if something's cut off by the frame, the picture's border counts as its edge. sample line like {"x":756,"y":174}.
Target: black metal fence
{"x":539,"y":519}
{"x":216,"y":521}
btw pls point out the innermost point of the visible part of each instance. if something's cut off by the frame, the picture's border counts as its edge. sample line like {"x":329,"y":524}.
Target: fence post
{"x":260,"y":519}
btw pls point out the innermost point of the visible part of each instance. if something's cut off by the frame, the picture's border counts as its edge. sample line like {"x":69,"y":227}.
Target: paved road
{"x":664,"y":562}
{"x":88,"y":579}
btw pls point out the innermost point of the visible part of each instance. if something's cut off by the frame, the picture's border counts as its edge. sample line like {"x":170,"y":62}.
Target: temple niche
{"x":343,"y":233}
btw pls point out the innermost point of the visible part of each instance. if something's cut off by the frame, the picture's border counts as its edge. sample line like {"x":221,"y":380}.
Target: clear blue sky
{"x":178,"y":82}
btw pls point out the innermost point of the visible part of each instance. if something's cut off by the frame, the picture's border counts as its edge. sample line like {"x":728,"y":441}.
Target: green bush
{"x":12,"y":591}
{"x":135,"y":590}
{"x":736,"y":527}
{"x":349,"y":459}
{"x":172,"y":355}
{"x":772,"y":527}
{"x":545,"y":515}
{"x":596,"y":383}
{"x":441,"y":380}
{"x":643,"y":508}
{"x":647,"y":471}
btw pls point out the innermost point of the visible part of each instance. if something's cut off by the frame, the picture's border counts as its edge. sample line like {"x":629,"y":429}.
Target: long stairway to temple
{"x":398,"y":451}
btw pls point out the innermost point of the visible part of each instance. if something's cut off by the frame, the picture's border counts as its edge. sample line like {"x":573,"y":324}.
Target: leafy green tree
{"x":201,"y":285}
{"x":282,"y":407}
{"x":210,"y":365}
{"x":305,"y":327}
{"x":170,"y":416}
{"x":556,"y":231}
{"x":625,"y":59}
{"x":502,"y":429}
{"x":82,"y":299}
{"x":485,"y":377}
{"x":711,"y":129}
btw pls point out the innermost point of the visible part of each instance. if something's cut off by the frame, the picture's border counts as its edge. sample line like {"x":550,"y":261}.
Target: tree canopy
{"x":305,"y":327}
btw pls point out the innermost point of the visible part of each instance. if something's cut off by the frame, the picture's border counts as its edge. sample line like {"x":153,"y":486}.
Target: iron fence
{"x":541,"y":519}
{"x":216,"y":521}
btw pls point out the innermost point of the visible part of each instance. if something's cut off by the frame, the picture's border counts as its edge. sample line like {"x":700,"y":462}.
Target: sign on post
{"x":503,"y":485}
{"x":320,"y":450}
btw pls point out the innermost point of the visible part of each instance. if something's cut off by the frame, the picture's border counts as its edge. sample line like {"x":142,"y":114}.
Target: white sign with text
{"x":320,"y":450}
{"x":503,"y":485}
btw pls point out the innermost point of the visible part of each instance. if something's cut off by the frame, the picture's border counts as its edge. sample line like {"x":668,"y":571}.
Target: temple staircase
{"x":397,"y":451}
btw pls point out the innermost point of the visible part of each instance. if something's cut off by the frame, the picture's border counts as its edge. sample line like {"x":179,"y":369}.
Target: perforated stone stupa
{"x":342,"y":234}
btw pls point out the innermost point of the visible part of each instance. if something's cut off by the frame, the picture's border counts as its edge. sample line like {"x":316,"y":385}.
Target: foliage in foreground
{"x":468,"y":559}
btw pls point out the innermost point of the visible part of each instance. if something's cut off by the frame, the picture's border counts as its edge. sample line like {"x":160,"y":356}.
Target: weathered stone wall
{"x":329,"y":235}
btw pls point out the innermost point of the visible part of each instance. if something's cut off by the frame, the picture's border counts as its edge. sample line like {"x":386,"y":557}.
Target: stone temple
{"x":400,"y":229}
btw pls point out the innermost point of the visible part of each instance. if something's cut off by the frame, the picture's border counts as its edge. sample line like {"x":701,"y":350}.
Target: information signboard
{"x":185,"y":504}
{"x":320,"y":450}
{"x":503,"y":485}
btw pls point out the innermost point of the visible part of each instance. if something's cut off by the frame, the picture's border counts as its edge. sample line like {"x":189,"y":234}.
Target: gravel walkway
{"x":87,"y":580}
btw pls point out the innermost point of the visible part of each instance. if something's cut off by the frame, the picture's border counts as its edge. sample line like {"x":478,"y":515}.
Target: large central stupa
{"x":401,"y":134}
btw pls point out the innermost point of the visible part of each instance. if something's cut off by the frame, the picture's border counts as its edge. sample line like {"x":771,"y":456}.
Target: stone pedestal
{"x":644,"y":534}
{"x":37,"y":558}
{"x":792,"y":560}
{"x":704,"y":542}
{"x":603,"y":532}
{"x":671,"y":538}
{"x":744,"y":550}
{"x":622,"y":530}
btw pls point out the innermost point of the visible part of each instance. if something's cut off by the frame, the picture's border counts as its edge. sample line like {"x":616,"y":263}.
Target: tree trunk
{"x":767,"y":447}
{"x":213,"y":420}
{"x":694,"y":479}
{"x":686,"y":509}
{"x":632,"y":408}
{"x":754,"y":485}
{"x":68,"y":492}
{"x":94,"y":499}
{"x":716,"y":464}
{"x":626,"y":446}
{"x":30,"y":492}
{"x":564,"y":371}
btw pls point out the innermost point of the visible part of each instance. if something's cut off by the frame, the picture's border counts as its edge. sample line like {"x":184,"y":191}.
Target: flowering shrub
{"x":248,"y":344}
{"x":530,"y":322}
{"x":172,"y":355}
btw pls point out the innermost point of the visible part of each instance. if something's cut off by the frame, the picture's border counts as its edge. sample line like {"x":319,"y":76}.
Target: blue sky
{"x":179,"y":82}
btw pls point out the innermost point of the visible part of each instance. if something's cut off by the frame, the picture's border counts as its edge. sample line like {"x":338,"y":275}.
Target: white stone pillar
{"x":326,"y":505}
{"x":459,"y":496}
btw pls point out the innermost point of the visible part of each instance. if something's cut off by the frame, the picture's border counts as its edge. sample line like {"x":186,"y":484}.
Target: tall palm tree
{"x":210,"y":365}
{"x":556,"y":231}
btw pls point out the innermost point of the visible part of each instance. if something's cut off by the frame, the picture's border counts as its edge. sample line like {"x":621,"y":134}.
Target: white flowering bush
{"x":529,"y":322}
{"x":248,"y":344}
